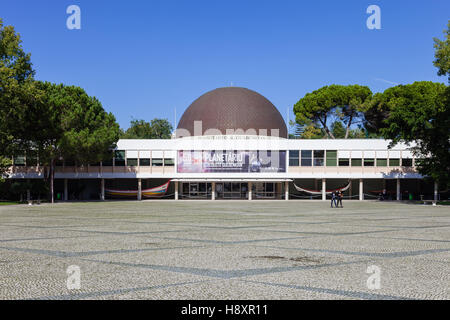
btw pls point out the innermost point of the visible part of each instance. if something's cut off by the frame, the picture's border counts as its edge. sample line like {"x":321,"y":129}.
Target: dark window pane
{"x":293,"y":162}
{"x":293,"y":153}
{"x":407,"y":162}
{"x":319,"y":153}
{"x":344,"y":162}
{"x":132,"y":162}
{"x":356,"y":162}
{"x":306,"y":154}
{"x":169,"y":162}
{"x":369,"y":162}
{"x":105,"y":163}
{"x":331,"y":158}
{"x":306,"y":162}
{"x":144,"y":162}
{"x":394,"y":162}
{"x":318,"y":162}
{"x":19,"y":161}
{"x":381,"y":162}
{"x":157,"y":162}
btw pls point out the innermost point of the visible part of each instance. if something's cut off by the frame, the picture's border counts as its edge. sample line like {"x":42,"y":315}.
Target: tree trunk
{"x":327,"y":130}
{"x":52,"y":178}
{"x":348,"y":127}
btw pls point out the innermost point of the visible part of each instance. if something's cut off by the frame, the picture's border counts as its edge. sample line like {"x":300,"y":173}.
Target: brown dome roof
{"x":233,"y":108}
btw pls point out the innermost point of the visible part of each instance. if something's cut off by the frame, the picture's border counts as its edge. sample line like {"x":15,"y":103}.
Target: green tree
{"x":16,"y":82}
{"x":419,"y":113}
{"x":338,"y":130}
{"x":63,"y":122}
{"x":442,"y":54}
{"x":334,"y":101}
{"x":155,"y":129}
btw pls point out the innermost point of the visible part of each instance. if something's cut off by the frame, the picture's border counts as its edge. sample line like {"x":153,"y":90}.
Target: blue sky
{"x":143,"y":59}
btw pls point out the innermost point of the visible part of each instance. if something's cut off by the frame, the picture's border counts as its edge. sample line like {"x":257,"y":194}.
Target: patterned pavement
{"x":225,"y":250}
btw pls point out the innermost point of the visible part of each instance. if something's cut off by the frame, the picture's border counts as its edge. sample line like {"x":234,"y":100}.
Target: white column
{"x":324,"y":189}
{"x":250,"y":191}
{"x":436,"y":193}
{"x":213,"y":191}
{"x":102,"y":190}
{"x":398,"y":190}
{"x":66,"y":190}
{"x":361,"y":189}
{"x":139,"y":196}
{"x":176,"y":190}
{"x":286,"y":190}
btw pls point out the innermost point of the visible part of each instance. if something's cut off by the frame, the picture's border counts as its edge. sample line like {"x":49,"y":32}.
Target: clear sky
{"x":145,"y":58}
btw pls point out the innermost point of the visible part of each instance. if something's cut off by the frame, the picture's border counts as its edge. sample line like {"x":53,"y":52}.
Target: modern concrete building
{"x":232,"y":143}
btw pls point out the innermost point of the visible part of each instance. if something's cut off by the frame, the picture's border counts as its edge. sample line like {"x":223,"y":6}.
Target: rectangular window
{"x":344,"y":162}
{"x":59,"y":163}
{"x":306,"y":160}
{"x":382,"y":162}
{"x":394,"y":162}
{"x":407,"y":162}
{"x":119,"y":158}
{"x":294,"y":158}
{"x":331,"y":158}
{"x":157,"y":162}
{"x":19,"y":161}
{"x":169,"y":162}
{"x":144,"y":162}
{"x":132,"y":162}
{"x":369,"y":162}
{"x":356,"y":162}
{"x":319,"y":158}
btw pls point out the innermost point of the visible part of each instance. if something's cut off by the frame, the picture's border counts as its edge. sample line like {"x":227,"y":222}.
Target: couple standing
{"x":336,"y":198}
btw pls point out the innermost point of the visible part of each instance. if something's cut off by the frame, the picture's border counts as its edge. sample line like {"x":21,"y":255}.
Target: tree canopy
{"x":155,"y":129}
{"x":420,"y":113}
{"x":329,"y":102}
{"x":16,"y":80}
{"x":442,"y":54}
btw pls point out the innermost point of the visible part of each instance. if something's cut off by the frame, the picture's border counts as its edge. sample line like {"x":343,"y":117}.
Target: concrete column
{"x":398,"y":190}
{"x":436,"y":193}
{"x":324,"y":189}
{"x":176,"y":190}
{"x":102,"y":189}
{"x":250,"y":195}
{"x":66,"y":190}
{"x":28,"y":191}
{"x":350,"y":190}
{"x":213,"y":191}
{"x":286,"y":190}
{"x":139,"y":196}
{"x":361,"y":189}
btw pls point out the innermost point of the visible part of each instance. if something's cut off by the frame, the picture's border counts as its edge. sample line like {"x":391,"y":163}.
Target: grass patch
{"x":8,"y":203}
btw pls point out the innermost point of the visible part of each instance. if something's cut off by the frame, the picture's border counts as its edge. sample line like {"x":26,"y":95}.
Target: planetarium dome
{"x":232,"y":109}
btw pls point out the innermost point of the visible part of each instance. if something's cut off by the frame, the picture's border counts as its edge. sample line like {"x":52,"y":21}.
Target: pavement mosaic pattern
{"x":225,"y":250}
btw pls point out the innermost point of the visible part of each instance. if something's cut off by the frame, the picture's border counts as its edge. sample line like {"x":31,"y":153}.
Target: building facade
{"x":232,"y":143}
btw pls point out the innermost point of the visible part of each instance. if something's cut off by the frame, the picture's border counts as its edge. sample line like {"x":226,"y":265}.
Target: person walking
{"x":340,"y":196}
{"x":333,"y":199}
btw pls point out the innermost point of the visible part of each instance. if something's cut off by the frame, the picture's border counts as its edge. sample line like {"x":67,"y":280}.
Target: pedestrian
{"x":340,"y":196}
{"x":333,"y":199}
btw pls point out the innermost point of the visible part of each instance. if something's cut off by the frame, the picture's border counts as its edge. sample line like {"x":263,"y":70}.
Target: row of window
{"x":155,"y":162}
{"x":318,"y":158}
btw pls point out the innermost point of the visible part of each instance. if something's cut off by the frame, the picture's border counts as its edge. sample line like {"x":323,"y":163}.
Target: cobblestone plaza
{"x":225,"y":250}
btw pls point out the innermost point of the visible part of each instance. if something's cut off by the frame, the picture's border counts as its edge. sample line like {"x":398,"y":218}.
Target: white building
{"x":231,"y":143}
